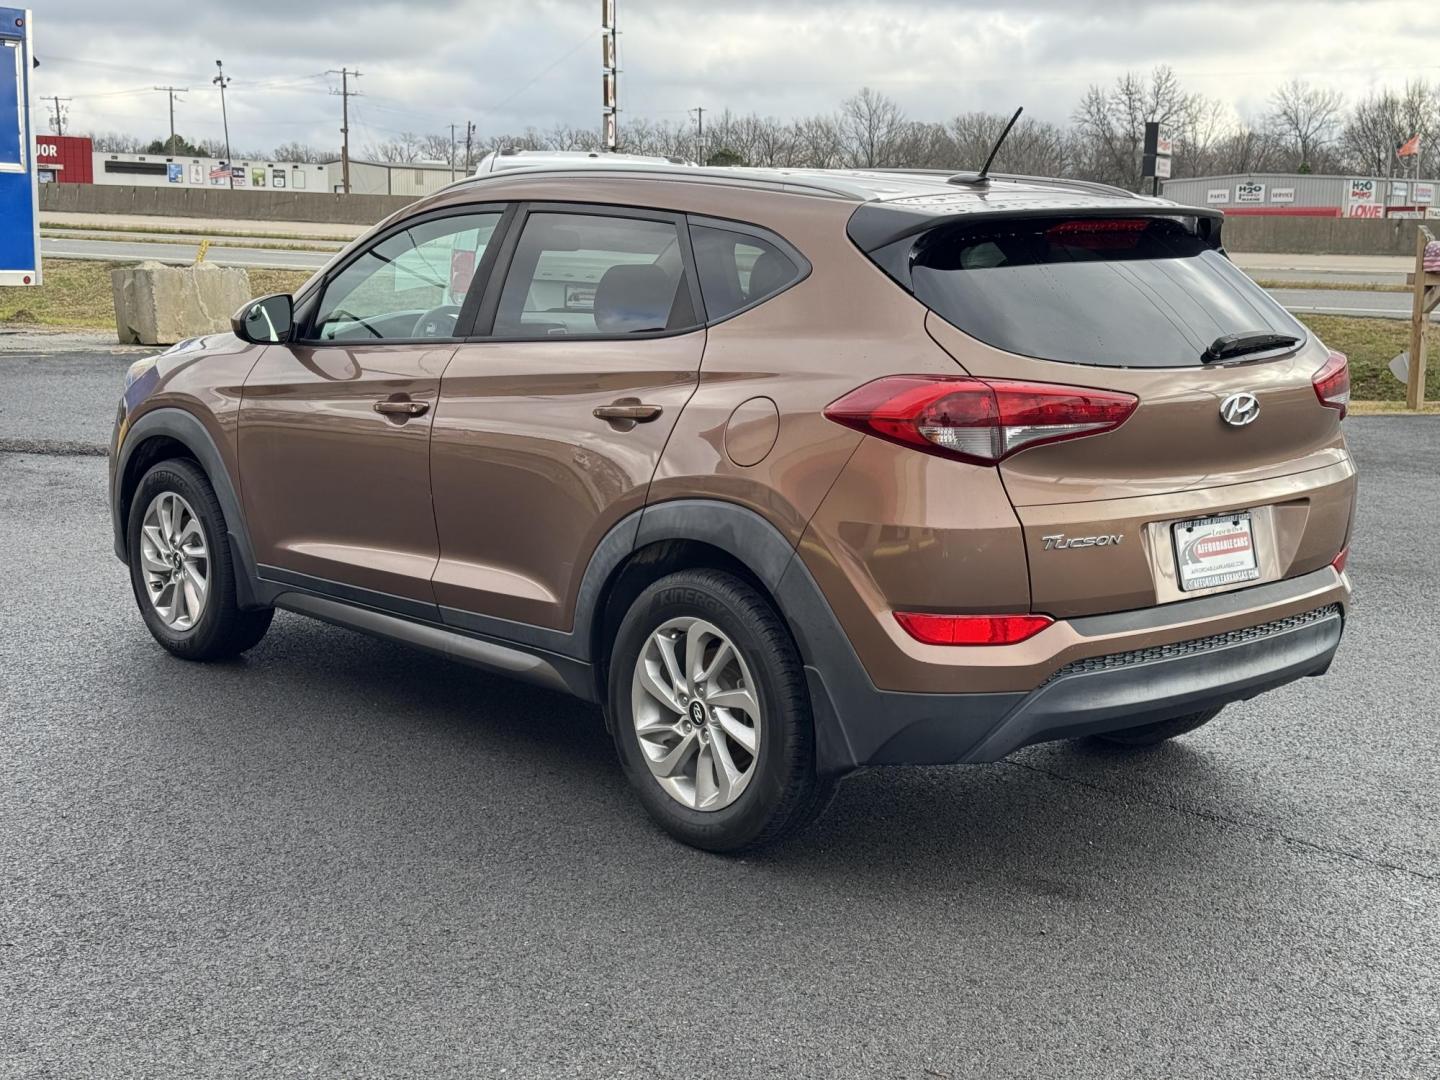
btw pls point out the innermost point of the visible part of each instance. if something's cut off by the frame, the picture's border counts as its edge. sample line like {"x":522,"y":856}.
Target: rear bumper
{"x":1294,"y":631}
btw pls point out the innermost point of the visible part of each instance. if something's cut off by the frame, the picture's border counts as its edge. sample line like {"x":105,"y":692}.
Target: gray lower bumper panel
{"x":1106,"y":693}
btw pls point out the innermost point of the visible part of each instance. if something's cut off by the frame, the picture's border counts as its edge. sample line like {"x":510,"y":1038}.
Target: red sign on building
{"x":64,"y":159}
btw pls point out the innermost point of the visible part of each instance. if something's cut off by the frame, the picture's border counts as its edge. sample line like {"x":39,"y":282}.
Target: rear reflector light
{"x":1332,"y":383}
{"x":978,"y":420}
{"x":971,"y":629}
{"x":1341,"y":559}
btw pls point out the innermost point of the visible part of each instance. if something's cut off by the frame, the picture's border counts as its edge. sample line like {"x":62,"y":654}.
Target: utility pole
{"x":452,"y":153}
{"x":610,"y":79}
{"x":469,"y":138}
{"x":59,"y":121}
{"x":700,"y":154}
{"x":345,"y":94}
{"x":172,"y":91}
{"x":221,"y":81}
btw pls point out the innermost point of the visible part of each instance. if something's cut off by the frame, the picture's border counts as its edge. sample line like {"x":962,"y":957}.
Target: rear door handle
{"x":634,"y":411}
{"x":402,"y":408}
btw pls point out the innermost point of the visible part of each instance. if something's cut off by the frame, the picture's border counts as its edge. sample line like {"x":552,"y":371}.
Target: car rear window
{"x":1110,"y":292}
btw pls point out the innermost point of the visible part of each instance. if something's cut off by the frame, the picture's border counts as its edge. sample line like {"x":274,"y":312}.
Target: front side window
{"x":588,"y":274}
{"x":410,"y":285}
{"x":738,"y":270}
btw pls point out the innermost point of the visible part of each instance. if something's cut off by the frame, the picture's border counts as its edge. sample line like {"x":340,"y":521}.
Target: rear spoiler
{"x":887,"y":233}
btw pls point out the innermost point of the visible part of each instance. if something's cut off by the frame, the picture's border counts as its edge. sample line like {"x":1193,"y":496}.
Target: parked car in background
{"x":790,"y":472}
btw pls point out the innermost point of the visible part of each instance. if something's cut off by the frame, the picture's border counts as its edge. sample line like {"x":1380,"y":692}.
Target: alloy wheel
{"x":175,"y":561}
{"x":696,"y":714}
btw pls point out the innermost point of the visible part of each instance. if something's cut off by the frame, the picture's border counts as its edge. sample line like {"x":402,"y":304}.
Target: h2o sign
{"x":1362,"y":191}
{"x":1249,"y":193}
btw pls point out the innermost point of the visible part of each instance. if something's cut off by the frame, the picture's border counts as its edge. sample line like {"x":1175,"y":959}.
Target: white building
{"x":366,"y":177}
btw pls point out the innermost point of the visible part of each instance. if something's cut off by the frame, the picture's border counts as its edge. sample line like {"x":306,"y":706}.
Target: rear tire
{"x":1160,"y":731}
{"x":711,"y":715}
{"x":181,"y":569}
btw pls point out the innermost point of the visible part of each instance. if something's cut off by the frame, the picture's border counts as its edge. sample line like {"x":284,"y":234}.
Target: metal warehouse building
{"x":160,"y":170}
{"x":1302,"y":195}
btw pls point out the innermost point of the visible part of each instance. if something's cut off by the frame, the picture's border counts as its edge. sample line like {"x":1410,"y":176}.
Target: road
{"x":341,"y":857}
{"x":139,"y":250}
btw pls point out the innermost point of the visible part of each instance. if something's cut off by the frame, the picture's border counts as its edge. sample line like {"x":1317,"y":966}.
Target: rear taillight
{"x":971,"y":629}
{"x":978,"y":420}
{"x":1332,"y":383}
{"x":1341,"y":559}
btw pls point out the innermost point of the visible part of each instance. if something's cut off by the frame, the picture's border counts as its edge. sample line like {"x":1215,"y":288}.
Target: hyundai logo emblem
{"x":1237,"y":410}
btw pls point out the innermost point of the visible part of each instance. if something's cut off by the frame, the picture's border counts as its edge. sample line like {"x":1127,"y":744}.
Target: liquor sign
{"x":1249,"y":192}
{"x":19,"y":171}
{"x":1282,"y":195}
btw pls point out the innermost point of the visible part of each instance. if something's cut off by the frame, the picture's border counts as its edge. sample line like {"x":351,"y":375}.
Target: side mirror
{"x":267,"y":321}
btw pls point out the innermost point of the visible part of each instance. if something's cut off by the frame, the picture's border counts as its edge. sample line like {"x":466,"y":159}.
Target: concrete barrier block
{"x":160,"y":305}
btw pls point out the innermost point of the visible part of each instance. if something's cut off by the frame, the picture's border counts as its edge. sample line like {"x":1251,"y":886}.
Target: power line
{"x":345,"y":94}
{"x":58,"y":121}
{"x":171,"y":91}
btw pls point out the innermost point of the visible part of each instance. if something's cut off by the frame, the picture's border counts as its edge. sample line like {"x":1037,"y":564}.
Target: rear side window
{"x":1135,"y":292}
{"x":589,"y":274}
{"x":738,"y":270}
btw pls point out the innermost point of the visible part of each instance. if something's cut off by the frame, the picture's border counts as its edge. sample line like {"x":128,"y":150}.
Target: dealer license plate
{"x":1215,"y":551}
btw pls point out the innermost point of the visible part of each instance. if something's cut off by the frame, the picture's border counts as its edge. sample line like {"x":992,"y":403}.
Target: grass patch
{"x":77,"y":295}
{"x":1390,"y":408}
{"x":1337,"y":286}
{"x":1371,"y":344}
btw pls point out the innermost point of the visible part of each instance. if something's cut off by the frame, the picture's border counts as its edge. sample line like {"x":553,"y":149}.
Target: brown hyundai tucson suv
{"x":790,"y":472}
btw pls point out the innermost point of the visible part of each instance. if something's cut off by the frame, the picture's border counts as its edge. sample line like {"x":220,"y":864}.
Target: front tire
{"x":711,"y":716}
{"x":181,"y":569}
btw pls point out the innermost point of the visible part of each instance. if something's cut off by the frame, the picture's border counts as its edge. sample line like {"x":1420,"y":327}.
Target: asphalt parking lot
{"x":339,"y":857}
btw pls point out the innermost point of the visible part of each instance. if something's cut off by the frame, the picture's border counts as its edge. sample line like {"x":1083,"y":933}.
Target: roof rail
{"x":804,"y":181}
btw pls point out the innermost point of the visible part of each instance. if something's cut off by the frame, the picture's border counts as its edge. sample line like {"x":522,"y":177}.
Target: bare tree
{"x":1308,"y":117}
{"x":403,"y":149}
{"x":1113,"y":121}
{"x":1034,"y":148}
{"x":115,"y":142}
{"x":1383,"y":121}
{"x":303,"y":153}
{"x":870,"y":127}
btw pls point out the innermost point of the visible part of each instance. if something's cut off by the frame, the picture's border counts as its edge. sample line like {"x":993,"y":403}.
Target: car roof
{"x":890,"y":203}
{"x":915,"y":188}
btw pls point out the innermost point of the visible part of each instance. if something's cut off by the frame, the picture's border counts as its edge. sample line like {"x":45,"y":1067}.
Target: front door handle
{"x":401,"y":408}
{"x":629,"y":409}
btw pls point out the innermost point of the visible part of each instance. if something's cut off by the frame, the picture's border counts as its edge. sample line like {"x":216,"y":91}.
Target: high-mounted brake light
{"x":971,"y":629}
{"x":1332,"y":383}
{"x":982,"y":421}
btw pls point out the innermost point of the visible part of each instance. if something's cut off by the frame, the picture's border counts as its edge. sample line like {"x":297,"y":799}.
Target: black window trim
{"x":484,"y":324}
{"x":745,"y":228}
{"x":474,"y":298}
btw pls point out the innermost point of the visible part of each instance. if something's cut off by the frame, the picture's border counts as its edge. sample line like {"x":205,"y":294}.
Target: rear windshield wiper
{"x":1228,"y":346}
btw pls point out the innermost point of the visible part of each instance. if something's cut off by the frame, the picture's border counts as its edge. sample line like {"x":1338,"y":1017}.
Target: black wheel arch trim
{"x":186,"y":429}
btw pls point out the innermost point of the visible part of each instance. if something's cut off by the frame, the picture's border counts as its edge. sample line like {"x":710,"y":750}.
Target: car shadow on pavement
{"x":1033,"y":820}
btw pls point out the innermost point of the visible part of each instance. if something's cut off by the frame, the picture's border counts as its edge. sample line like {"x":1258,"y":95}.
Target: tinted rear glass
{"x":1139,"y":292}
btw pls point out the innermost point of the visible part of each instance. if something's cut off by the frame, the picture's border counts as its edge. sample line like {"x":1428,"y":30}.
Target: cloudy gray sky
{"x":507,"y":64}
